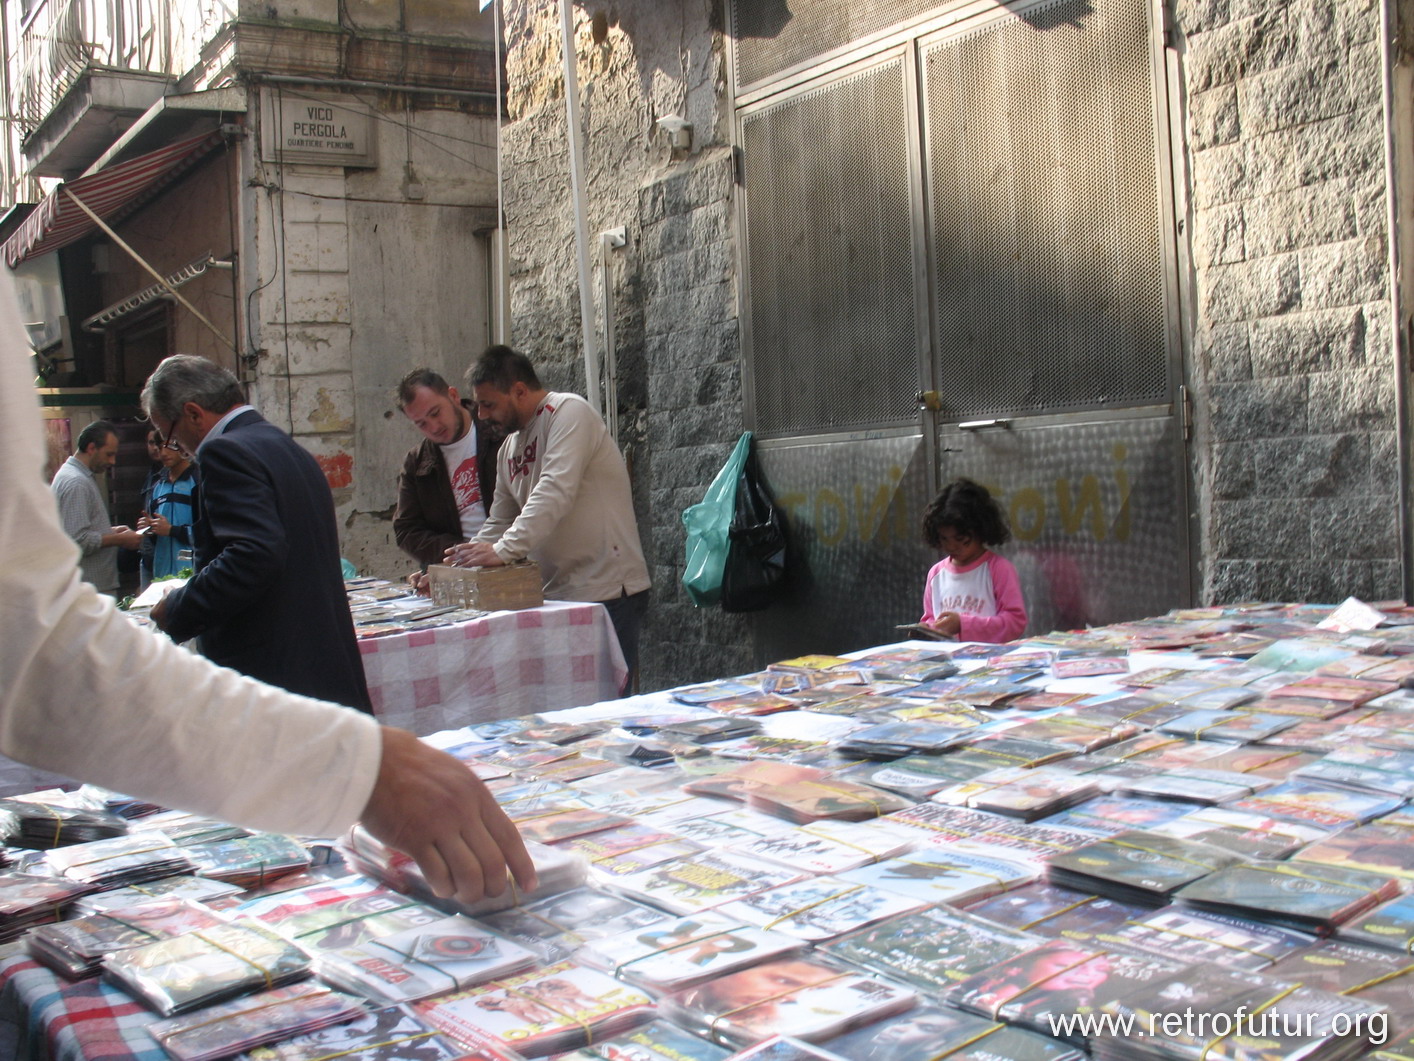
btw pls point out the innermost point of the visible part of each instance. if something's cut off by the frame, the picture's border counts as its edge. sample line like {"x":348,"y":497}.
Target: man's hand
{"x":473,"y":554}
{"x":159,"y":524}
{"x":158,"y":614}
{"x":431,"y":807}
{"x":420,"y":583}
{"x":123,"y":537}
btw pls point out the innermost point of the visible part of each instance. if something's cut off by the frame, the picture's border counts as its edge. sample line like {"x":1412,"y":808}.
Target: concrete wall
{"x":1295,"y":458}
{"x":674,"y":283}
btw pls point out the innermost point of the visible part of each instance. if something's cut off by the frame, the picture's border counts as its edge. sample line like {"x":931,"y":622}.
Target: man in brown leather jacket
{"x":445,"y":489}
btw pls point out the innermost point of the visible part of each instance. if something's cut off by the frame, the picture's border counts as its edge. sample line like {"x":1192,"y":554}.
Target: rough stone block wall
{"x":1296,"y":465}
{"x":693,"y":358}
{"x":679,"y":385}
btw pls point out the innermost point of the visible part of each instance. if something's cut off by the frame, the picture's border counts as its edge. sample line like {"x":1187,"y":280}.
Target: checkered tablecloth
{"x":46,"y":1018}
{"x":562,"y":654}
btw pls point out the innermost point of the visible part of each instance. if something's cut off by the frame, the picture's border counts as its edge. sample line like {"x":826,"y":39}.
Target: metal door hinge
{"x":1185,"y":410}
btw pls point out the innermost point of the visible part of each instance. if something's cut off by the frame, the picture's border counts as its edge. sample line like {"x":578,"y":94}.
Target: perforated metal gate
{"x":1045,"y":213}
{"x":973,"y":205}
{"x":830,"y":261}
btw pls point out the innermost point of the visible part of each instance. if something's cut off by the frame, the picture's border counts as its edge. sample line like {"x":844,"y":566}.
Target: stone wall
{"x":1293,"y":371}
{"x":674,"y":293}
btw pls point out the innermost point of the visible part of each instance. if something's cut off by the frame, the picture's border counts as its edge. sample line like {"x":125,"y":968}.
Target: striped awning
{"x":112,"y":194}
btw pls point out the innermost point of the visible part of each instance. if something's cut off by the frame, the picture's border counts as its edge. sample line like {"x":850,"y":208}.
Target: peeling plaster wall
{"x":375,"y":283}
{"x":673,"y":284}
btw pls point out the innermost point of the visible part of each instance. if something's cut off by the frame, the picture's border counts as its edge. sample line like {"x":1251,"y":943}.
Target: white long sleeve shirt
{"x":86,"y":692}
{"x":563,"y":499}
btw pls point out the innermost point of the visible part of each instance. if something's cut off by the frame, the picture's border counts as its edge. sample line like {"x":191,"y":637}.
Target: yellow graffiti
{"x":1027,"y":514}
{"x":825,"y":499}
{"x":1072,"y":511}
{"x":1078,"y":505}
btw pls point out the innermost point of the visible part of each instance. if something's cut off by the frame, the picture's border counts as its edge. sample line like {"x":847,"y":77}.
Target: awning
{"x":112,"y":194}
{"x":133,"y":303}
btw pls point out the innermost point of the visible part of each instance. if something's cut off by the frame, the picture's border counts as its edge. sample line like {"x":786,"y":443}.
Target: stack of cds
{"x":76,"y":948}
{"x":931,"y":949}
{"x":446,"y":955}
{"x":208,"y":966}
{"x":213,"y":893}
{"x":556,"y":871}
{"x":232,"y":1027}
{"x":798,"y":997}
{"x":388,"y":1034}
{"x":547,"y":1011}
{"x":682,"y":953}
{"x":820,"y":908}
{"x":331,"y":915}
{"x":45,"y":825}
{"x":1227,"y":1015}
{"x":941,"y":1032}
{"x":1303,"y":896}
{"x":1040,"y":988}
{"x":655,"y":1041}
{"x":557,"y":927}
{"x":120,"y":861}
{"x":26,"y":901}
{"x":250,"y":861}
{"x":1137,"y":867}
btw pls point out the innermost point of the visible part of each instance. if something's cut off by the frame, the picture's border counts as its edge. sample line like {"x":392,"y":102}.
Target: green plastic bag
{"x":707,"y":527}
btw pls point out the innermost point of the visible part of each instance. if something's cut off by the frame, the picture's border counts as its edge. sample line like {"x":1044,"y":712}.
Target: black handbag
{"x":755,"y":572}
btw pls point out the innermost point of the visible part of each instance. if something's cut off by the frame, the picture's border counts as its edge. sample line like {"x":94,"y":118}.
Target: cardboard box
{"x":488,"y":589}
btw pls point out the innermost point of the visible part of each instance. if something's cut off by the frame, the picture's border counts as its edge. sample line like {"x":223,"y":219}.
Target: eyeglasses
{"x":161,"y":441}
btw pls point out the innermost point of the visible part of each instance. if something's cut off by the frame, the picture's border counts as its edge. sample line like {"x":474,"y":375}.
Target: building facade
{"x":1128,"y":262}
{"x":1134,"y":264}
{"x":304,"y":192}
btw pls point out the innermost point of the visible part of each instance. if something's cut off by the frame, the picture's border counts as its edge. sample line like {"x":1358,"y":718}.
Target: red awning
{"x":112,"y":194}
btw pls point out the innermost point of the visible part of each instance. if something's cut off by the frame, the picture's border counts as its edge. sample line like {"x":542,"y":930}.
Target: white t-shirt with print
{"x":465,"y":477}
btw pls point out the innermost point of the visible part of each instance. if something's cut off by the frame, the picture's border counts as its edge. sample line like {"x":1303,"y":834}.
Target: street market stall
{"x":1179,"y":825}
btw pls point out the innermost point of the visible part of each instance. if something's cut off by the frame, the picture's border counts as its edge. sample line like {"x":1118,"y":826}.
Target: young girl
{"x":972,"y":594}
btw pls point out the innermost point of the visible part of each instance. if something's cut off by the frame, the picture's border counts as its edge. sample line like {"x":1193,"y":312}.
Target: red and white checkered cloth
{"x":563,"y":654}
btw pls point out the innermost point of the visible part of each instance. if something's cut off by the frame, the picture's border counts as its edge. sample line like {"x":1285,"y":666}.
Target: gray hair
{"x":184,"y":378}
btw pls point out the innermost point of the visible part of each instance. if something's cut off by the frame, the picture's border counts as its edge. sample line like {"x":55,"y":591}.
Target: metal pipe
{"x":1397,"y":336}
{"x":607,"y":242}
{"x":581,"y":208}
{"x":380,"y":86}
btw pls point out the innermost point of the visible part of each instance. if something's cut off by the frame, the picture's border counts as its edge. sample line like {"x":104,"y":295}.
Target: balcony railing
{"x":62,"y":39}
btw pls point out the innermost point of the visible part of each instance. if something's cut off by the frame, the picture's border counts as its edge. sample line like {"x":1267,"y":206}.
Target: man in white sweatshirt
{"x":562,"y":497}
{"x":86,"y":692}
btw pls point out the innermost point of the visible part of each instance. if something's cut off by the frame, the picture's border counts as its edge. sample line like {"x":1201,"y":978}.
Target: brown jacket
{"x":427,"y":523}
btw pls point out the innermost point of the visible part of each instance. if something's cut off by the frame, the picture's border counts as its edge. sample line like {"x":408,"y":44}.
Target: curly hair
{"x":968,"y":509}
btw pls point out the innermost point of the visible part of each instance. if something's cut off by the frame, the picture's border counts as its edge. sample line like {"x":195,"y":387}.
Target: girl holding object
{"x":972,"y":594}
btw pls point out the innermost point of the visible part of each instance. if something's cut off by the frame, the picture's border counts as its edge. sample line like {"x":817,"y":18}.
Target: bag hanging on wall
{"x":755,"y":573}
{"x":707,"y":526}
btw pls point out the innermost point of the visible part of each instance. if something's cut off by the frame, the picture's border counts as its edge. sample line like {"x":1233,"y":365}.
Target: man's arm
{"x":570,"y":442}
{"x":411,"y":531}
{"x":249,"y":544}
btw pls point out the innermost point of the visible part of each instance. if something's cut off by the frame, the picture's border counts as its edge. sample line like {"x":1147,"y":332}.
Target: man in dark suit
{"x":268,"y":596}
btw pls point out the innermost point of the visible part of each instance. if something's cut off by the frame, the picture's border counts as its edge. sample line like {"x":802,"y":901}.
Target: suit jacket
{"x":427,"y":522}
{"x":268,"y":595}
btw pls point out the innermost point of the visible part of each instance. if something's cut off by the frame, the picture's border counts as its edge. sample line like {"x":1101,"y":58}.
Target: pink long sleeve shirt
{"x":986,"y":594}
